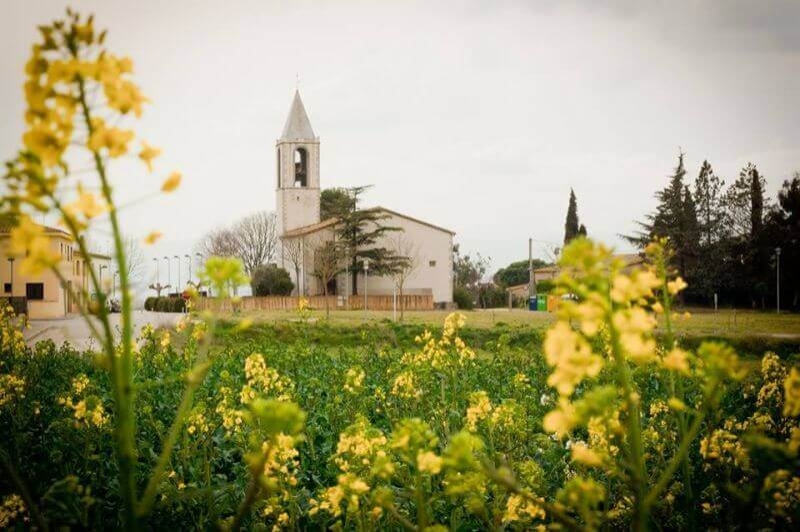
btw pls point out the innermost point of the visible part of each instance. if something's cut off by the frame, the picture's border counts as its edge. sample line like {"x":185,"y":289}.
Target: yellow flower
{"x":171,"y":183}
{"x":152,"y":237}
{"x":428,"y":462}
{"x":562,"y":420}
{"x":677,"y":360}
{"x":676,"y":404}
{"x":29,"y":239}
{"x":87,"y":204}
{"x":113,"y":139}
{"x":791,"y":392}
{"x":676,"y":286}
{"x":571,"y":356}
{"x":583,"y":455}
{"x":124,"y":96}
{"x":147,"y":154}
{"x":46,"y":142}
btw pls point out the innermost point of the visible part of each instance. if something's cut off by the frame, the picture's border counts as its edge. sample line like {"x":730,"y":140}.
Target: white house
{"x":301,"y":230}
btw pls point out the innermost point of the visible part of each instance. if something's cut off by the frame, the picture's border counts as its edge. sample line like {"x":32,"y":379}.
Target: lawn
{"x":702,"y":323}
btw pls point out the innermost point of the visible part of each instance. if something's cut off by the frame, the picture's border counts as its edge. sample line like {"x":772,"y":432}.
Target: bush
{"x":269,"y":280}
{"x":165,"y":304}
{"x":545,"y":287}
{"x":463,"y":298}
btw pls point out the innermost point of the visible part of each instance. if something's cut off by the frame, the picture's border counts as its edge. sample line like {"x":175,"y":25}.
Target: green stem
{"x":252,"y":492}
{"x":30,"y":504}
{"x":681,"y":454}
{"x":124,"y":393}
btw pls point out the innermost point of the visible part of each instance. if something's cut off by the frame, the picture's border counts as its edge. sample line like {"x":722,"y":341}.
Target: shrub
{"x":269,"y":280}
{"x":545,"y":287}
{"x":463,"y":298}
{"x":165,"y":304}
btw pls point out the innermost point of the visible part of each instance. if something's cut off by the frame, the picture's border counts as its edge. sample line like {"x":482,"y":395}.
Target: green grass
{"x":702,"y":323}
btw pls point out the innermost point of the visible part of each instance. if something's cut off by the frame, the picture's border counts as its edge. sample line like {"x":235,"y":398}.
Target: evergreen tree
{"x":571,"y":226}
{"x":690,"y":236}
{"x":358,"y":231}
{"x":582,"y":231}
{"x":710,"y":210}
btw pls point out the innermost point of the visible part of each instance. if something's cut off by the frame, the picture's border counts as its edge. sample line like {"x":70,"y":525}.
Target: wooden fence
{"x":412,"y":302}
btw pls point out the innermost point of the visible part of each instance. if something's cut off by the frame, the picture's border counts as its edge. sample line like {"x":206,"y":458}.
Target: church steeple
{"x":297,"y":126}
{"x":297,"y":184}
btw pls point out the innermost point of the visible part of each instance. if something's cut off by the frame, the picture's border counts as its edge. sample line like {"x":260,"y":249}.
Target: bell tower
{"x":297,"y":186}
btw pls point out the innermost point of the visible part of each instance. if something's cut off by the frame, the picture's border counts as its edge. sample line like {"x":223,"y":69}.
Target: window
{"x":432,"y":263}
{"x":300,"y":167}
{"x":34,"y":291}
{"x":7,"y":288}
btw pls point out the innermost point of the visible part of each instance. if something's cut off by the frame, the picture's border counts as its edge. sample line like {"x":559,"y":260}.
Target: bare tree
{"x":293,"y":250}
{"x":406,"y":260}
{"x":134,"y":257}
{"x":256,"y":240}
{"x":330,"y":259}
{"x":220,"y":242}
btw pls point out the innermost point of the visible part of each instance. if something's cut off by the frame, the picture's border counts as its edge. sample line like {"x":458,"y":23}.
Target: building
{"x":298,"y":190}
{"x":44,"y":294}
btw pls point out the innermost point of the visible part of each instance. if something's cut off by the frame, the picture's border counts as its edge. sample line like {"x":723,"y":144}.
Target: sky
{"x":475,"y":116}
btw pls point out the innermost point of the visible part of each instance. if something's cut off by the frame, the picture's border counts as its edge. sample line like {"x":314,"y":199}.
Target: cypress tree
{"x":571,"y":226}
{"x":708,"y":200}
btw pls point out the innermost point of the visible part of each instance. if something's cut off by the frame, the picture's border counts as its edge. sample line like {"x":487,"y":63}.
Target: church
{"x":300,"y":229}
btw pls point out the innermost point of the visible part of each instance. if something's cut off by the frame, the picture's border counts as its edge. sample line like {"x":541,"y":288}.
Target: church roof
{"x":330,"y":222}
{"x":297,"y":124}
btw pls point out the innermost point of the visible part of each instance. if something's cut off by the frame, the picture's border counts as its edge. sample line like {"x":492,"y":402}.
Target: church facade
{"x":301,"y":230}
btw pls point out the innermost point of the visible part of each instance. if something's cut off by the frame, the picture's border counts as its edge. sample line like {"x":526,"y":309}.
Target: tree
{"x":270,"y":280}
{"x":710,"y":209}
{"x":469,"y":271}
{"x":256,"y":240}
{"x":407,"y":258}
{"x":293,"y":250}
{"x":782,"y":229}
{"x":572,"y":225}
{"x":358,"y":231}
{"x":516,"y":273}
{"x":134,"y":257}
{"x":220,"y":242}
{"x":335,"y":202}
{"x":329,"y":259}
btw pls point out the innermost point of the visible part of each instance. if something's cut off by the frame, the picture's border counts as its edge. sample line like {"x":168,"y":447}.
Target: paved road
{"x":75,"y":330}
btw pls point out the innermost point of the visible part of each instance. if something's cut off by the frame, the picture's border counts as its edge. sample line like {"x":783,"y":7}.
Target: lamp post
{"x":158,"y":277}
{"x":201,"y":257}
{"x":11,"y":269}
{"x":169,"y":273}
{"x":366,"y":279}
{"x":778,"y":280}
{"x":176,"y":257}
{"x":114,"y":286}
{"x":189,"y":265}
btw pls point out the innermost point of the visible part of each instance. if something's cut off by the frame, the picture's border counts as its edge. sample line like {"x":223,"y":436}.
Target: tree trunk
{"x":327,"y":305}
{"x":402,"y":303}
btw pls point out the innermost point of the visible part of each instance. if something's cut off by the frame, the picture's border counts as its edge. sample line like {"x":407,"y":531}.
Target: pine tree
{"x":710,"y":209}
{"x":571,"y":226}
{"x":357,"y":231}
{"x":582,"y":231}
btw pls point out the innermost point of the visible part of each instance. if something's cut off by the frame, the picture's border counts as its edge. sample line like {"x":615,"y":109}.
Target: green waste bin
{"x":541,"y":302}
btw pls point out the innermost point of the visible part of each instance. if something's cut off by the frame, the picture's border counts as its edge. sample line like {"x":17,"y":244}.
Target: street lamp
{"x":189,"y":264}
{"x":366,"y":278}
{"x":158,"y":277}
{"x":201,"y":257}
{"x":169,"y":273}
{"x":778,"y":280}
{"x":114,"y":287}
{"x":179,"y":271}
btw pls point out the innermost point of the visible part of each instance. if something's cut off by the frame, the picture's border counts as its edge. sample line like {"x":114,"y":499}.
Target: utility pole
{"x":778,"y":281}
{"x":366,"y":278}
{"x":531,"y":279}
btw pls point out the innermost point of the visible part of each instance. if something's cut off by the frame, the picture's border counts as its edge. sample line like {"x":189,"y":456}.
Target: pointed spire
{"x":297,"y":123}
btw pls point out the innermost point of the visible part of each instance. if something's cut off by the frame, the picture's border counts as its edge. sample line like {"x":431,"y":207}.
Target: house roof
{"x":7,"y":224}
{"x":313,"y":228}
{"x":297,"y":125}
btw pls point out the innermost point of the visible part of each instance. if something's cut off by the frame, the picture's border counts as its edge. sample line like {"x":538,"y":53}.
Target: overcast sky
{"x":476,"y":116}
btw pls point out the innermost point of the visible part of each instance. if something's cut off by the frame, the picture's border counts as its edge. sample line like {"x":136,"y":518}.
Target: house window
{"x":7,"y":288}
{"x":432,"y":263}
{"x":34,"y":291}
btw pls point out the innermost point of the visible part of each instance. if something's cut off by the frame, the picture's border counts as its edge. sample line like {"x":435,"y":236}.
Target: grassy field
{"x":702,"y":323}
